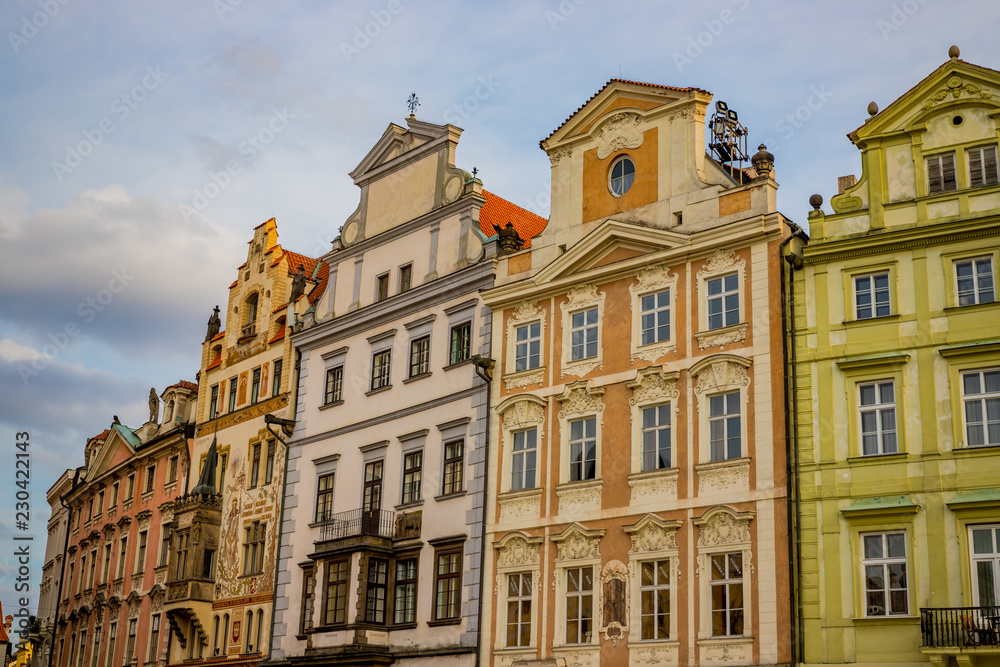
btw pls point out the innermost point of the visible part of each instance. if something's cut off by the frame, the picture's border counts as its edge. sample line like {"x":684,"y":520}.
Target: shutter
{"x":933,"y":175}
{"x":948,"y":173}
{"x":990,"y":175}
{"x":976,"y":167}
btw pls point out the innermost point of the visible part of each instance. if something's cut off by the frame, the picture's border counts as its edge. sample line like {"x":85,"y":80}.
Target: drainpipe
{"x":483,"y":365}
{"x":69,"y":526}
{"x":791,"y":435}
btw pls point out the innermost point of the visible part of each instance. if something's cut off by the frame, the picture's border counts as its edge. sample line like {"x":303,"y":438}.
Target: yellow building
{"x":897,"y":387}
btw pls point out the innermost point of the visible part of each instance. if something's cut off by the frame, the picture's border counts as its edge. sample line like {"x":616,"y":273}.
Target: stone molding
{"x":578,"y":497}
{"x":619,"y":132}
{"x":723,"y":476}
{"x":520,"y":504}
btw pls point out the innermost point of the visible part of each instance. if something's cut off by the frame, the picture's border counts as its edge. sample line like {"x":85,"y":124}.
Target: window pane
{"x":897,"y":545}
{"x":873,"y":546}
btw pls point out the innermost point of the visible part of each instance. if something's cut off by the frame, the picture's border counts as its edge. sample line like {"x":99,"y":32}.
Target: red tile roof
{"x":102,"y":435}
{"x":184,"y":384}
{"x":309,"y":265}
{"x":262,"y":224}
{"x":278,"y":336}
{"x":498,"y":211}
{"x":634,"y":83}
{"x":216,"y":363}
{"x":221,"y":334}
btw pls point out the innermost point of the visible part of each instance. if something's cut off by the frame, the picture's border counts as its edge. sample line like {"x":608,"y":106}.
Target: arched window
{"x":215,"y":636}
{"x":225,"y":634}
{"x":250,"y":309}
{"x":260,"y":630}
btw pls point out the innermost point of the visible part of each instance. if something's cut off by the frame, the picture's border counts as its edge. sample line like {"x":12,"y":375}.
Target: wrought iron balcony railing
{"x":373,"y":523}
{"x":946,"y":627}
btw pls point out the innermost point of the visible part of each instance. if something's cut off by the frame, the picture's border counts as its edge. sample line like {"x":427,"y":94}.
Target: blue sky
{"x":142,"y":143}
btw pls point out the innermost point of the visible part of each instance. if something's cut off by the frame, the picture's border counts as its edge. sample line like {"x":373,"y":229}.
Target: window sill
{"x":449,"y":496}
{"x":332,"y":404}
{"x":879,"y":319}
{"x":403,"y":626}
{"x":414,"y":378}
{"x":379,"y":390}
{"x":734,"y":333}
{"x":877,"y":459}
{"x":409,"y":505}
{"x":976,"y":450}
{"x":464,"y":362}
{"x":972,"y":306}
{"x":887,"y":620}
{"x":446,"y":621}
{"x":525,"y":378}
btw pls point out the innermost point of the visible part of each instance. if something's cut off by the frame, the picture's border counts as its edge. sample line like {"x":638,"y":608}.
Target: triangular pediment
{"x":955,"y":83}
{"x":609,"y":244}
{"x":118,"y":446}
{"x":397,"y":142}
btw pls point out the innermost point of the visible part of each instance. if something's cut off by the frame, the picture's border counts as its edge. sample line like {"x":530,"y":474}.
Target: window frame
{"x":520,"y":623}
{"x":412,"y":477}
{"x":974,"y":260}
{"x":586,"y":471}
{"x":453,"y":468}
{"x":341,"y":588}
{"x":624,"y":186}
{"x":726,"y":419}
{"x":873,"y":292}
{"x":943,"y":188}
{"x":580,"y":299}
{"x":276,"y":370}
{"x":580,"y":595}
{"x":333,"y":385}
{"x":885,"y":561}
{"x":233,"y":388}
{"x":461,"y":352}
{"x":255,"y":385}
{"x":408,"y":587}
{"x":421,"y":347}
{"x":381,"y":369}
{"x":879,"y":408}
{"x":985,"y":396}
{"x":527,"y":343}
{"x":255,"y":454}
{"x":324,"y":497}
{"x":373,"y":614}
{"x":452,"y":581}
{"x":584,"y":329}
{"x":723,"y":297}
{"x":984,"y":166}
{"x":382,"y":287}
{"x":522,"y":470}
{"x":993,"y":558}
{"x":405,"y":278}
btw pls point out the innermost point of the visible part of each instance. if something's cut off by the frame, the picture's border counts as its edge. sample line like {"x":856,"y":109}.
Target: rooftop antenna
{"x":412,"y":103}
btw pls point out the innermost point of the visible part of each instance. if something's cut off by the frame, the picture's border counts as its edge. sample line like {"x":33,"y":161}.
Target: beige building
{"x":52,"y":569}
{"x":638,"y":504}
{"x":382,"y":529}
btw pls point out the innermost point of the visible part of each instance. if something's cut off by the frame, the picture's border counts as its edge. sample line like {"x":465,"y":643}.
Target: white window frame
{"x":873,"y":293}
{"x":724,"y":531}
{"x":725,"y":418}
{"x":714,"y":375}
{"x":981,"y":398}
{"x":580,"y":401}
{"x":584,"y":328}
{"x":653,"y":539}
{"x":720,"y":264}
{"x":526,"y":313}
{"x":580,"y":299}
{"x":880,"y":409}
{"x":723,"y":298}
{"x":519,"y":598}
{"x":582,"y":442}
{"x":993,"y":558}
{"x":332,"y":360}
{"x":977,"y":289}
{"x":566,"y":561}
{"x":523,"y":454}
{"x":526,"y":344}
{"x":649,"y":281}
{"x":653,"y":387}
{"x":518,"y":552}
{"x":621,"y":159}
{"x":885,"y":561}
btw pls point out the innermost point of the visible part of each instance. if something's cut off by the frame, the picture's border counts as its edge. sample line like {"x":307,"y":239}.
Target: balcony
{"x":358,"y":523}
{"x":960,"y":629}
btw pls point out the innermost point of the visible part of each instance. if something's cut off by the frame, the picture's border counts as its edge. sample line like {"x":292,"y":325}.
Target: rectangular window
{"x":130,"y":646}
{"x":405,"y":278}
{"x":655,"y":317}
{"x":253,"y":548}
{"x":884,"y":564}
{"x":583,"y":334}
{"x":93,"y":569}
{"x":727,"y":594}
{"x":154,"y":639}
{"x":724,"y":301}
{"x":982,"y":166}
{"x":150,"y":479}
{"x":172,"y":465}
{"x":523,"y":460}
{"x":276,"y":378}
{"x":100,"y":502}
{"x":130,"y":487}
{"x":871,"y":296}
{"x":941,"y":174}
{"x":454,"y":467}
{"x":656,"y":437}
{"x":269,"y":463}
{"x":985,"y":547}
{"x":83,"y":573}
{"x":107,"y":563}
{"x":214,"y":404}
{"x":114,"y":494}
{"x":877,"y":414}
{"x":461,"y":341}
{"x":420,"y":356}
{"x":164,"y":546}
{"x":382,"y":287}
{"x":122,"y":550}
{"x":83,"y":647}
{"x":97,"y":647}
{"x":335,"y":593}
{"x":378,"y":572}
{"x":527,"y":346}
{"x":448,"y":585}
{"x":140,"y":557}
{"x":372,"y":498}
{"x":579,"y":605}
{"x":974,"y":281}
{"x":183,"y":540}
{"x":324,"y":498}
{"x":255,"y":386}
{"x":405,"y":599}
{"x":725,"y":438}
{"x":208,"y":564}
{"x":981,"y":399}
{"x":654,"y":591}
{"x":112,"y":640}
{"x":233,"y":386}
{"x":254,"y":464}
{"x":308,"y":594}
{"x":583,"y":449}
{"x":412,"y":467}
{"x":334,"y":391}
{"x":518,"y":610}
{"x":380,"y":369}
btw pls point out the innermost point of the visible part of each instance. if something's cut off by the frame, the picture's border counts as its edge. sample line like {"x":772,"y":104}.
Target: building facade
{"x":224,"y":529}
{"x":638,"y":499}
{"x":381,"y":547}
{"x":113,"y":583}
{"x":48,"y":589}
{"x":897,"y":387}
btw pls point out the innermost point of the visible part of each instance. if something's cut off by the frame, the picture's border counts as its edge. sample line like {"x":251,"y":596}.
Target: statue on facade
{"x":154,"y":404}
{"x":298,"y":284}
{"x":510,"y":241}
{"x":214,"y":325}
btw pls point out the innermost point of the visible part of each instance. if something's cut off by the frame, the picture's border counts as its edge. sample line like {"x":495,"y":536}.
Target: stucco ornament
{"x":517,"y":552}
{"x":655,"y":277}
{"x":525,"y":311}
{"x":522,"y":380}
{"x":955,"y":88}
{"x":520,"y":505}
{"x":651,"y":384}
{"x":579,"y":399}
{"x":521,"y":414}
{"x":578,"y":545}
{"x":652,"y":537}
{"x":619,"y":132}
{"x":579,"y":498}
{"x":558,"y":154}
{"x":721,"y":260}
{"x":614,"y":612}
{"x":582,"y":295}
{"x":723,"y":478}
{"x":723,"y":374}
{"x":724,"y":529}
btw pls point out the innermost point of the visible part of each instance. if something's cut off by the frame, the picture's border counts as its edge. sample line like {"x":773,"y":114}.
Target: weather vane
{"x":474,"y":172}
{"x":412,"y":103}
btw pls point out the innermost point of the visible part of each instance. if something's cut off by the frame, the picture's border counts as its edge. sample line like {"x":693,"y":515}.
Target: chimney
{"x":845,"y":182}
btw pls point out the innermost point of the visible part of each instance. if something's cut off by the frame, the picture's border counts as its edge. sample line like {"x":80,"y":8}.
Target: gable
{"x":116,"y":450}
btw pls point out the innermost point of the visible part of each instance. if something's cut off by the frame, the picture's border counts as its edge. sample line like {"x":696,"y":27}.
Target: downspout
{"x":69,"y":526}
{"x":484,"y":373}
{"x":791,"y":436}
{"x":293,"y":401}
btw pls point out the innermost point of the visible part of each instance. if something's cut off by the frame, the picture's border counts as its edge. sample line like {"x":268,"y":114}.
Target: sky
{"x":143,"y":141}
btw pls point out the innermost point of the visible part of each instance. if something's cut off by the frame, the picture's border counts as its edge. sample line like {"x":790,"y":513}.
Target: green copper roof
{"x":888,"y":504}
{"x":984,"y":496}
{"x":126,"y":433}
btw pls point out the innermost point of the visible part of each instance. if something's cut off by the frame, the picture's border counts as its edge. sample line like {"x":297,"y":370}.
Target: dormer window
{"x":982,"y":166}
{"x":941,"y":174}
{"x":621,"y":176}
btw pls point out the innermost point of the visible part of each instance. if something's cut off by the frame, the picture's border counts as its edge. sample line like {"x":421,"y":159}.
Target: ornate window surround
{"x":653,"y":539}
{"x":526,"y":312}
{"x":581,"y":297}
{"x":724,"y":530}
{"x":652,"y":386}
{"x":579,"y":401}
{"x":720,"y":263}
{"x":651,"y":280}
{"x":519,"y":412}
{"x":517,"y":552}
{"x":717,"y":374}
{"x":576,"y":547}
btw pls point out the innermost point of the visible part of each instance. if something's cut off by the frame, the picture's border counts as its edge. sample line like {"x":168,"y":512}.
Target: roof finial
{"x":475,"y":171}
{"x":953,"y":52}
{"x":872,"y":108}
{"x":412,"y":103}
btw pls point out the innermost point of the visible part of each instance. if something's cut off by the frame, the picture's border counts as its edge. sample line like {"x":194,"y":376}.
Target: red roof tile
{"x":216,"y":363}
{"x":634,"y":83}
{"x":184,"y":384}
{"x":221,"y":334}
{"x":498,"y":211}
{"x":278,"y":336}
{"x":309,"y":265}
{"x":102,"y":435}
{"x":262,"y":224}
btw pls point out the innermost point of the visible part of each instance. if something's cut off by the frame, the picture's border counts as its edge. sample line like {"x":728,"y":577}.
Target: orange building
{"x":639,"y":511}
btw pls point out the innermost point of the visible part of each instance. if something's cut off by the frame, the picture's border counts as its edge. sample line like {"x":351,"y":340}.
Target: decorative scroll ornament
{"x":558,"y":154}
{"x":574,"y":499}
{"x":619,"y":132}
{"x":955,"y":87}
{"x":525,"y":311}
{"x":520,"y":505}
{"x":521,"y":414}
{"x":579,"y":399}
{"x":723,"y":374}
{"x":517,"y":553}
{"x":652,"y":537}
{"x":654,"y":277}
{"x":724,"y":529}
{"x":521,"y":380}
{"x":576,"y":543}
{"x":651,"y":384}
{"x":582,"y":295}
{"x":721,"y":260}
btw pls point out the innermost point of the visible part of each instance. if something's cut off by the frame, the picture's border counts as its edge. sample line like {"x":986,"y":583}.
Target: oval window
{"x":621,"y":176}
